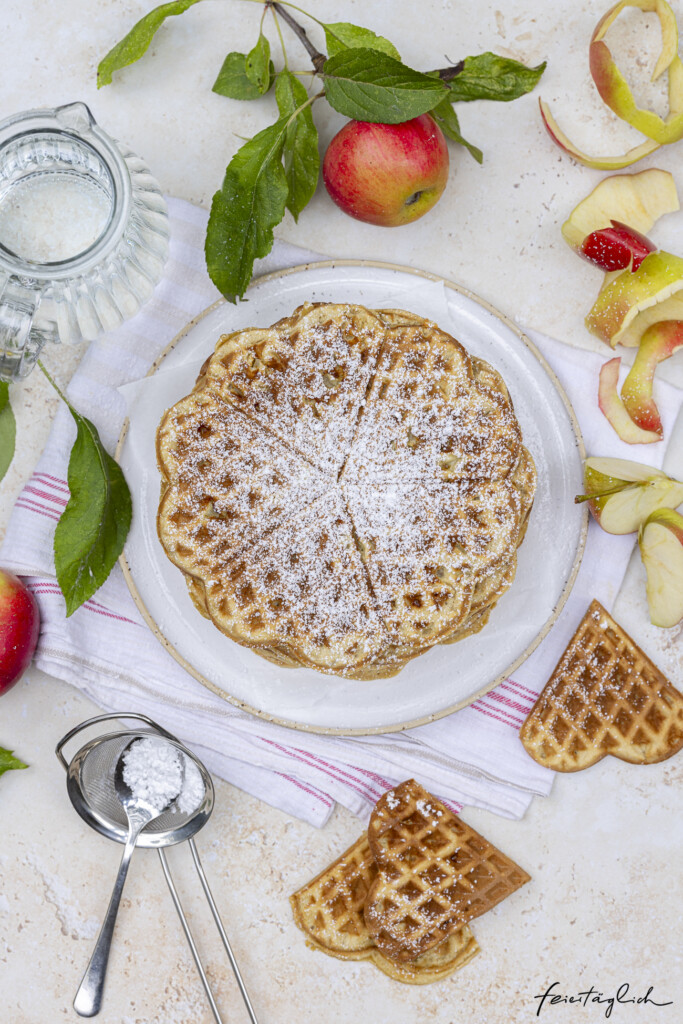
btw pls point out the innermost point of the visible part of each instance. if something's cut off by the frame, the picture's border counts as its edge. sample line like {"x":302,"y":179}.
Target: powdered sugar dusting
{"x":345,"y":489}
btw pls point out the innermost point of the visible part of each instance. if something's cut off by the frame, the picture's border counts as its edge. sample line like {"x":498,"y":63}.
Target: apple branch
{"x":318,"y":59}
{"x":448,"y":74}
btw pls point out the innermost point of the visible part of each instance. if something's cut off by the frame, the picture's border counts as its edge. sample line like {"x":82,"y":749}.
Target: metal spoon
{"x":139,"y":813}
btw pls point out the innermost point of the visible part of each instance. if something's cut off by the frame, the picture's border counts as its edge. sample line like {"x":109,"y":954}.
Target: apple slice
{"x":616,"y":247}
{"x":658,"y":342}
{"x":661,"y":547}
{"x":619,"y":302}
{"x":622,"y":494}
{"x":600,"y":163}
{"x":614,"y":409}
{"x":638,"y":200}
{"x":615,"y":91}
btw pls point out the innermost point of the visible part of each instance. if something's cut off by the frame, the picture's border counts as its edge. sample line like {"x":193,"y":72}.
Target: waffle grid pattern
{"x":329,"y":910}
{"x":604,"y":697}
{"x":436,"y":873}
{"x":272,"y":450}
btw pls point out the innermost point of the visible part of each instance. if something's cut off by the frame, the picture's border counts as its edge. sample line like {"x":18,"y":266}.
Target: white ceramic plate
{"x":447,"y":677}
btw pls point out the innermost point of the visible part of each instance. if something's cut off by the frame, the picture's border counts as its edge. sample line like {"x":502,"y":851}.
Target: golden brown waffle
{"x":605,"y":696}
{"x":302,"y":591}
{"x":428,"y":420}
{"x":329,"y":910}
{"x":435,"y":873}
{"x":305,"y":378}
{"x":435,"y":965}
{"x":344,"y":489}
{"x":233,"y":482}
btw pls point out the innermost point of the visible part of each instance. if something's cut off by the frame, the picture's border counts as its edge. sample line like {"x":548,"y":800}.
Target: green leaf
{"x":489,"y":77}
{"x":370,"y":86}
{"x":301,"y":156}
{"x":8,"y":430}
{"x":341,"y":35}
{"x":258,"y":65}
{"x":447,"y":119}
{"x":244,"y":212}
{"x":93,"y":527}
{"x":136,"y":43}
{"x":233,"y":82}
{"x":8,"y":762}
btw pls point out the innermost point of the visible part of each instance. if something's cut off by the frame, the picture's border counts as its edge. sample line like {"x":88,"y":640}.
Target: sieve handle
{"x":106,"y":718}
{"x":221,"y":929}
{"x":188,"y":936}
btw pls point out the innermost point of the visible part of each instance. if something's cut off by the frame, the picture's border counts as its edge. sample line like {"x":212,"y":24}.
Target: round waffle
{"x":344,"y":489}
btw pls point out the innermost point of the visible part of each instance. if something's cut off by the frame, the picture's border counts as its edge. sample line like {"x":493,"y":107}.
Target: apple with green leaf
{"x":661,"y":547}
{"x":621,"y":494}
{"x":19,"y":628}
{"x":387,"y":174}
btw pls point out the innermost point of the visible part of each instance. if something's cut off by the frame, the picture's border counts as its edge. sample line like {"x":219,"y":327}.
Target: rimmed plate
{"x":447,"y":677}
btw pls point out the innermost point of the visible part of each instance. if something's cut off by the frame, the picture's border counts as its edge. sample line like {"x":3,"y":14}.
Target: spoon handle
{"x":89,"y":996}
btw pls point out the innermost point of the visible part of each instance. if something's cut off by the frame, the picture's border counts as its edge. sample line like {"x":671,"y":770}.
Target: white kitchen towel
{"x":473,"y":757}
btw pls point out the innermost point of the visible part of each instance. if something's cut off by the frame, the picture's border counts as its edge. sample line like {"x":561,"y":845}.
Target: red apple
{"x":19,"y":628}
{"x":616,"y":248}
{"x":387,"y":174}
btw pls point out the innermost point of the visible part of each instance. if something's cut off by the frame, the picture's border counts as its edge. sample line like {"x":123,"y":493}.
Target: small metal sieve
{"x":90,"y":785}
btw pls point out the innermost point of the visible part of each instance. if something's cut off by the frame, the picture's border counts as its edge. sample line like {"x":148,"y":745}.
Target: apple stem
{"x":597,"y":494}
{"x":447,"y":74}
{"x":54,"y":383}
{"x":318,"y":59}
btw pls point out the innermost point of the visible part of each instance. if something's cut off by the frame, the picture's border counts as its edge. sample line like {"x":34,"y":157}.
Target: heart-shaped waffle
{"x":435,"y":873}
{"x":329,"y":910}
{"x":605,"y":696}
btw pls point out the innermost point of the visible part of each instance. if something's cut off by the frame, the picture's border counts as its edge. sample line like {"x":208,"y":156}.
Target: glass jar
{"x":83,"y":233}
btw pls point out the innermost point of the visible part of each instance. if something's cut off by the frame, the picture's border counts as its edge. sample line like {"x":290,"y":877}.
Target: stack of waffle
{"x":344,"y":489}
{"x":403,"y":894}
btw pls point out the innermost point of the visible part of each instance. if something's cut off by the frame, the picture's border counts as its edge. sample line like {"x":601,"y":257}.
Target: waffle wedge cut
{"x":605,"y":696}
{"x":305,"y":378}
{"x":434,"y":873}
{"x":226,"y":481}
{"x":301,"y":592}
{"x":329,"y":910}
{"x":432,"y":416}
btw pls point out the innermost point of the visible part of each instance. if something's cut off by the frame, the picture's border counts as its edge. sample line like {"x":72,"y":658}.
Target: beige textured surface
{"x":604,"y":849}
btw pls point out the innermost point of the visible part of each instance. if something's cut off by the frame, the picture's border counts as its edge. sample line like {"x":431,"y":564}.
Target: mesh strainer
{"x":90,"y":785}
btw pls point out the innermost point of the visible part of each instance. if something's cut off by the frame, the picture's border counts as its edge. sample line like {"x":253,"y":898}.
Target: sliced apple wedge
{"x":658,"y":278}
{"x":661,"y":547}
{"x":658,"y":342}
{"x":621,"y":494}
{"x":614,"y":409}
{"x":638,"y":200}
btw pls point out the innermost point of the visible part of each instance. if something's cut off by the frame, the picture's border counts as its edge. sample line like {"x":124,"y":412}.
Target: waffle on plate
{"x":344,"y":489}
